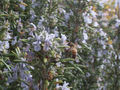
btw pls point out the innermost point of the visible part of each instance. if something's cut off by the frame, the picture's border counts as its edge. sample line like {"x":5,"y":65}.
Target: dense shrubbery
{"x":59,"y":45}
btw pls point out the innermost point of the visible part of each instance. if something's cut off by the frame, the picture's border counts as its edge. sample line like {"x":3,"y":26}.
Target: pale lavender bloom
{"x":67,"y":16}
{"x":4,"y":45}
{"x":93,"y":13}
{"x":14,"y":41}
{"x":117,"y":23}
{"x":22,"y":74}
{"x":22,"y":6}
{"x":104,"y":47}
{"x":85,"y":35}
{"x":1,"y":46}
{"x":37,"y":47}
{"x":24,"y":86}
{"x":20,"y":44}
{"x":47,"y":45}
{"x":65,"y":86}
{"x":8,"y":37}
{"x":40,"y":22}
{"x":36,"y":87}
{"x":117,"y":2}
{"x":58,"y":64}
{"x":32,"y":15}
{"x":31,"y":33}
{"x":62,"y":10}
{"x":37,"y":43}
{"x":102,"y":33}
{"x":51,"y":37}
{"x":84,"y":41}
{"x":77,"y":60}
{"x":88,"y":74}
{"x":87,"y":20}
{"x":100,"y":53}
{"x":56,"y":33}
{"x":33,"y":26}
{"x":15,"y":74}
{"x":96,"y":24}
{"x":63,"y":38}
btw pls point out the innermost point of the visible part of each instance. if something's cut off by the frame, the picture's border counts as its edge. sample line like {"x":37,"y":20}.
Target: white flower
{"x":85,"y":35}
{"x":62,"y":10}
{"x":22,"y":6}
{"x":32,"y":14}
{"x":40,"y":25}
{"x":104,"y":46}
{"x":93,"y":13}
{"x":1,"y":46}
{"x":65,"y":86}
{"x":63,"y":38}
{"x":99,"y":53}
{"x":47,"y":45}
{"x":96,"y":24}
{"x":33,"y":26}
{"x":84,"y":41}
{"x":87,"y":20}
{"x":58,"y":64}
{"x":36,"y":45}
{"x":4,"y":45}
{"x":56,"y":33}
{"x":88,"y":74}
{"x":102,"y":33}
{"x":14,"y":41}
{"x":51,"y":36}
{"x":67,"y":16}
{"x":117,"y":23}
{"x":8,"y":36}
{"x":117,"y":2}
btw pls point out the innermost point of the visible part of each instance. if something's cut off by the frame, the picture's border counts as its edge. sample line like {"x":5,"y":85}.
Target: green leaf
{"x":78,"y":68}
{"x":66,"y":59}
{"x":5,"y":64}
{"x":62,"y":46}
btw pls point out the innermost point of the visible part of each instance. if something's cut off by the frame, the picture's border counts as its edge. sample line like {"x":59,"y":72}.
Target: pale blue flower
{"x":37,"y":47}
{"x":4,"y":45}
{"x":40,"y":22}
{"x":22,"y":6}
{"x":33,"y":26}
{"x":14,"y":41}
{"x":47,"y":45}
{"x":8,"y":37}
{"x":63,"y":38}
{"x":85,"y":35}
{"x":58,"y":64}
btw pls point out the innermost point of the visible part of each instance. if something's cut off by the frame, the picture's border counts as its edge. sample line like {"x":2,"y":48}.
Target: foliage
{"x":59,"y":45}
